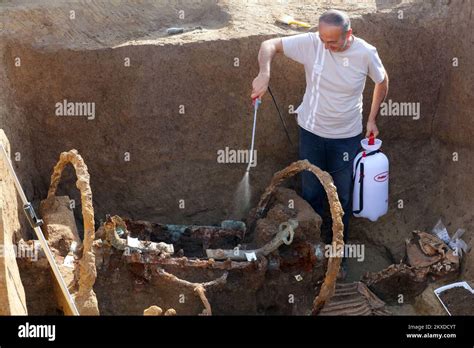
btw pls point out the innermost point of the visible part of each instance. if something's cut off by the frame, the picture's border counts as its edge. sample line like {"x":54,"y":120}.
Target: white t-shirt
{"x":332,"y":103}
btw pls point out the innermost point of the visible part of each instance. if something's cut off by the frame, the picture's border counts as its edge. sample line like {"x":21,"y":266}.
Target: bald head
{"x":336,"y":18}
{"x":335,"y":30}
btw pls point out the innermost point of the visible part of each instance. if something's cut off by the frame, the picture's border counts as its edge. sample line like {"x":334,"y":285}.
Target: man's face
{"x":333,"y":38}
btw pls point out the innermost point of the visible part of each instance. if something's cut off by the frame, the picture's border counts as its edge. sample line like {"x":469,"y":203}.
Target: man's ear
{"x":349,"y":33}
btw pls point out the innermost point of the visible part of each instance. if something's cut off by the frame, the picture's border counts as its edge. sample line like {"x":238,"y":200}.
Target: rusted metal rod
{"x":328,"y":286}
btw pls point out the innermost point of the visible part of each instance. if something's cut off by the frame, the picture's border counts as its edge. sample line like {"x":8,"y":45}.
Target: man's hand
{"x":371,"y":128}
{"x":260,"y":85}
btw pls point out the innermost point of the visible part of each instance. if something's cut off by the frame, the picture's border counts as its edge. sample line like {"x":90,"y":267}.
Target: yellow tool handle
{"x":300,"y":24}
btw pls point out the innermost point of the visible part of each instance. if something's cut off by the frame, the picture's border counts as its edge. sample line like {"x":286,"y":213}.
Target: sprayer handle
{"x":256,"y":101}
{"x":371,"y":138}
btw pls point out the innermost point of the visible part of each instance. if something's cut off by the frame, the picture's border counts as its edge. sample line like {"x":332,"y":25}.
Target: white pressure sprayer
{"x":256,"y":103}
{"x":370,"y":195}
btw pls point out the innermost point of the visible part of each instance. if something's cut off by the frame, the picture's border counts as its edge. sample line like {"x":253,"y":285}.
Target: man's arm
{"x":268,"y":49}
{"x":380,"y":93}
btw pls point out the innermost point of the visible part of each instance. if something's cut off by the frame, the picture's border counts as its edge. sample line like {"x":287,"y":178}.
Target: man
{"x":330,"y":116}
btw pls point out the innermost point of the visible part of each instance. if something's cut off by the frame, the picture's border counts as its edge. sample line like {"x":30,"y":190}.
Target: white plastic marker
{"x":69,"y":259}
{"x":256,"y":103}
{"x":35,"y":224}
{"x":251,"y":256}
{"x":133,"y":242}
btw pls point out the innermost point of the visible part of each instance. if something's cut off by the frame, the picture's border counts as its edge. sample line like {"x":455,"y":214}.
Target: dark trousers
{"x":336,"y":157}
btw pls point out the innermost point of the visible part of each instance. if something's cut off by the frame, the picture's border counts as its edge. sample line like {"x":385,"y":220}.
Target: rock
{"x":170,"y":312}
{"x":287,"y":204}
{"x":153,"y":310}
{"x":59,"y":226}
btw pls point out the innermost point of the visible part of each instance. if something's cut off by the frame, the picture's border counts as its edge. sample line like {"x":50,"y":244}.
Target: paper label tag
{"x":298,"y":277}
{"x":133,"y":242}
{"x":251,"y":256}
{"x":69,"y":261}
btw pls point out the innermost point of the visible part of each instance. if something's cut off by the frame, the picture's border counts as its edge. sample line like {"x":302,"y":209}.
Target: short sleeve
{"x":297,"y":47}
{"x":376,"y":70}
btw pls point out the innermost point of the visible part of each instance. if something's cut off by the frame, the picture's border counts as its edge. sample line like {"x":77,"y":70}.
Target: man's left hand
{"x":371,"y":128}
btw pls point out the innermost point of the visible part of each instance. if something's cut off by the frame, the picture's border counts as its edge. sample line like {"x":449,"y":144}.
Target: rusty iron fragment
{"x":184,"y":262}
{"x":85,"y":298}
{"x":328,"y":286}
{"x":111,"y":237}
{"x":199,"y":288}
{"x":284,"y":236}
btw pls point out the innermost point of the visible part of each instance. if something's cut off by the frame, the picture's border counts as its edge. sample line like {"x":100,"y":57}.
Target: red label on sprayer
{"x":381,"y":177}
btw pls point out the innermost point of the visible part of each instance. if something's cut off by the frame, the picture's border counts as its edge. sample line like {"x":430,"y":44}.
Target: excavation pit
{"x":165,"y":105}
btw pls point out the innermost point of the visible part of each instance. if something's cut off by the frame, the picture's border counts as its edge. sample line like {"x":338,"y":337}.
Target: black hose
{"x":281,"y":117}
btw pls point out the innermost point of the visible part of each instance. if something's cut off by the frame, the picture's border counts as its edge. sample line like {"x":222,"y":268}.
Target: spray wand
{"x":256,"y":102}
